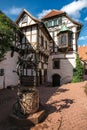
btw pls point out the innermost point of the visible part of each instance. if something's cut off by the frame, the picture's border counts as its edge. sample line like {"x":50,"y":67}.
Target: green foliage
{"x":78,"y":72}
{"x":7,"y":34}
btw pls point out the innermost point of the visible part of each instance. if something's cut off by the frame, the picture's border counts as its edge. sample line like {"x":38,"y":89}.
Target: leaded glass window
{"x":25,"y":18}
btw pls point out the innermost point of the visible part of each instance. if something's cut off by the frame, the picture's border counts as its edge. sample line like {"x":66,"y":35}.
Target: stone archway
{"x":56,"y":80}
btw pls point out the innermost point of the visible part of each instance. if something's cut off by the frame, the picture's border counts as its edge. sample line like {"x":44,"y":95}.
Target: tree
{"x":7,"y":34}
{"x":78,"y":71}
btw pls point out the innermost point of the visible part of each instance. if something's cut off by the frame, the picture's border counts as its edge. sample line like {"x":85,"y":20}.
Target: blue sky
{"x":76,"y":9}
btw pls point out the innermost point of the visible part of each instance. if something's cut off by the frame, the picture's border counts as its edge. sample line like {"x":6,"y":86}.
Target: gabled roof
{"x":82,"y":51}
{"x":73,"y":21}
{"x":38,"y":22}
{"x":25,"y":11}
{"x":53,"y":13}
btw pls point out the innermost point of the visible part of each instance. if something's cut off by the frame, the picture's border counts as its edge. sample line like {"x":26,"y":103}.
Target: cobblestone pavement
{"x":66,"y":107}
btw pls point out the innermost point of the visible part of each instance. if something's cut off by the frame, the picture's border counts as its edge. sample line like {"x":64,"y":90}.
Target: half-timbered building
{"x":54,"y":43}
{"x":37,"y":36}
{"x":65,"y":32}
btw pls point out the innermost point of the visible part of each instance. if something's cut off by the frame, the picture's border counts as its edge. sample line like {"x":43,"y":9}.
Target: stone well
{"x":26,"y":110}
{"x":28,"y":101}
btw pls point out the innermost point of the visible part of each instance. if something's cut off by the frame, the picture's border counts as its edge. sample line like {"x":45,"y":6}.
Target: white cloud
{"x":83,"y":38}
{"x":74,"y":8}
{"x":43,"y":13}
{"x":13,"y":11}
{"x":85,"y":18}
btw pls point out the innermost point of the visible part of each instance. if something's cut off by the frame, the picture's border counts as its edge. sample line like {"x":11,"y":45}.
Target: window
{"x":70,"y":38}
{"x":25,"y":19}
{"x":49,"y":23}
{"x":55,"y":22}
{"x":53,"y":46}
{"x":1,"y":72}
{"x":46,"y":24}
{"x":42,"y":65}
{"x":46,"y":44}
{"x":42,"y":41}
{"x":63,"y":39}
{"x":56,"y":64}
{"x":59,"y":20}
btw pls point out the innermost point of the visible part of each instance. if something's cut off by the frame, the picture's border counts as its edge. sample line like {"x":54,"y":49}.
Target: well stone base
{"x":30,"y":120}
{"x":37,"y":117}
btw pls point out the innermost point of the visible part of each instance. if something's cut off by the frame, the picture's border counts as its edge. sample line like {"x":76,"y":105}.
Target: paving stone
{"x":66,"y":106}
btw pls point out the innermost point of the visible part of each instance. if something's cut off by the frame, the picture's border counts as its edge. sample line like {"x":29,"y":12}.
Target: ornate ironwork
{"x":27,"y":98}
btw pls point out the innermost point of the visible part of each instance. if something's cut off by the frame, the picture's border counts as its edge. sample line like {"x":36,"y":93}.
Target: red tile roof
{"x":82,"y":51}
{"x":53,"y":13}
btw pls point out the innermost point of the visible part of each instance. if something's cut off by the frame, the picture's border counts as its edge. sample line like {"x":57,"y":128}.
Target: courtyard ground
{"x":66,"y":107}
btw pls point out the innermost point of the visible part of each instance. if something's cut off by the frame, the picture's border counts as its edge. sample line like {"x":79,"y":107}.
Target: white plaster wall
{"x":66,"y":70}
{"x":34,"y":30}
{"x":9,"y":64}
{"x":28,"y":72}
{"x":39,"y":66}
{"x":28,"y":38}
{"x":34,"y":38}
{"x":42,"y":72}
{"x":29,"y":22}
{"x":67,"y":63}
{"x":1,"y":82}
{"x":45,"y":66}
